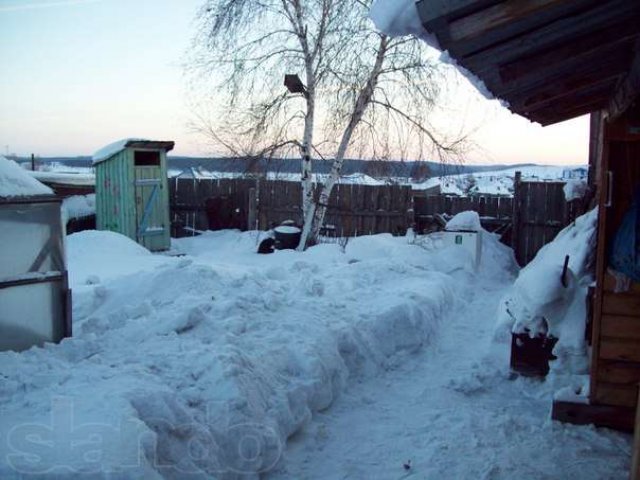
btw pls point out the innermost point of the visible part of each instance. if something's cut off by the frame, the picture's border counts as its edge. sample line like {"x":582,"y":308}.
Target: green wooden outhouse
{"x":132,"y":195}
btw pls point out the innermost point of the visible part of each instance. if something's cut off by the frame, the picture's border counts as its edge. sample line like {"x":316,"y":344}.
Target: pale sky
{"x":78,"y":74}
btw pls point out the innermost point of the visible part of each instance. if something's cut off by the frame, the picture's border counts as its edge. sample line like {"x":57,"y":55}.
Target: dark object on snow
{"x":266,"y":245}
{"x":530,"y":356}
{"x":287,"y":237}
{"x":563,"y":279}
{"x":407,"y":466}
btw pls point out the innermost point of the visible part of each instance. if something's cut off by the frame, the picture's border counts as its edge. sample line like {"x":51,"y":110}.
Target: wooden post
{"x":515,"y":217}
{"x":253,"y":210}
{"x":635,"y":460}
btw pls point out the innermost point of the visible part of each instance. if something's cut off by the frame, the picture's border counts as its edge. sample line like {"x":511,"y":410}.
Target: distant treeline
{"x":373,"y":168}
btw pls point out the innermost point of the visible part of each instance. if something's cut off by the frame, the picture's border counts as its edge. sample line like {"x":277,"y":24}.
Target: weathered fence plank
{"x":353,"y":209}
{"x":540,"y":212}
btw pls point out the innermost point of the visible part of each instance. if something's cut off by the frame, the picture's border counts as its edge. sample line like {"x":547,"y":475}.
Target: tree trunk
{"x":315,"y":216}
{"x":307,"y":144}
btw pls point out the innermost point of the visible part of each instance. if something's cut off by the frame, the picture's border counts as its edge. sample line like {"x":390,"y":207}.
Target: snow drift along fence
{"x":540,"y":211}
{"x":527,"y":222}
{"x":200,"y":204}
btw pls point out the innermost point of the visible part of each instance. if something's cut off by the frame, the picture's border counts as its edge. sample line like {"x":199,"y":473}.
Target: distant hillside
{"x":292,"y":165}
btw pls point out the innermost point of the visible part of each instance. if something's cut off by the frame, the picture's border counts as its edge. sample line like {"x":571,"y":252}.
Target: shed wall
{"x":115,"y":196}
{"x":615,"y":369}
{"x":118,"y":199}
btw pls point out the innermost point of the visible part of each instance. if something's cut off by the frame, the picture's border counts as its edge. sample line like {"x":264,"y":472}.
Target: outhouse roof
{"x":16,"y":181}
{"x":105,"y":153}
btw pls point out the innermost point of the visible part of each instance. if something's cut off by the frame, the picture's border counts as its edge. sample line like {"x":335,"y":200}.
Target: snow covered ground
{"x":201,"y":366}
{"x":456,"y":411}
{"x":500,"y":182}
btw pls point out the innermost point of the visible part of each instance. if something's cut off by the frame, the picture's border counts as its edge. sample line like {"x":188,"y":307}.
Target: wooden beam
{"x":619,"y":349}
{"x":554,"y":34}
{"x":440,"y":11}
{"x":560,"y":113}
{"x":498,"y":16}
{"x":618,"y":326}
{"x":635,"y":455}
{"x":624,"y":373}
{"x":621,"y":304}
{"x":555,"y":93}
{"x":592,"y":43}
{"x":616,"y":394}
{"x":629,"y":90}
{"x":618,"y":418}
{"x":517,"y":27}
{"x":613,"y":60}
{"x":609,"y":285}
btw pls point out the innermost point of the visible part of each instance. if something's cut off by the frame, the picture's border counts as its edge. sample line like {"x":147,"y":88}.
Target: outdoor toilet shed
{"x":132,"y":192}
{"x":35,"y":300}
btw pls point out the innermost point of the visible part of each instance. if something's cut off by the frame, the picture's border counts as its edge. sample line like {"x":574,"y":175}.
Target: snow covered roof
{"x":16,"y":181}
{"x":114,"y":148}
{"x":80,"y":179}
{"x":532,"y":55}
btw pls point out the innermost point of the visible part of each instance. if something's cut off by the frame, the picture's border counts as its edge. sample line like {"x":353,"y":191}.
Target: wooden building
{"x":132,"y":195}
{"x":553,"y":60}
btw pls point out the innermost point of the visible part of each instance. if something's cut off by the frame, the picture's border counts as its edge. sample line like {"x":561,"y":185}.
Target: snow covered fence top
{"x":114,"y":148}
{"x":16,"y":182}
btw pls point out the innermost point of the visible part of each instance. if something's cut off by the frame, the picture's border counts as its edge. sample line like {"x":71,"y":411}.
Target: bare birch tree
{"x":365,"y":94}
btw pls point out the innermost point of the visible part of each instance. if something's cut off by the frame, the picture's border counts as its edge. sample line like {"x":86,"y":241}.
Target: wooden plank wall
{"x":353,"y":209}
{"x":188,"y":196}
{"x":542,"y":212}
{"x":536,"y":214}
{"x":615,"y":367}
{"x":635,"y":454}
{"x":487,"y":206}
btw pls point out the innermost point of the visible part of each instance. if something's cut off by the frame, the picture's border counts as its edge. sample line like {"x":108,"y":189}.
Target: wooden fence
{"x":527,"y":222}
{"x":200,"y":204}
{"x":494,"y":211}
{"x":540,"y":211}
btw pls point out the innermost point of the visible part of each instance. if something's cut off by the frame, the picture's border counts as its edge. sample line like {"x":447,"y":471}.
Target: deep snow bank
{"x":205,"y":364}
{"x":538,"y":292}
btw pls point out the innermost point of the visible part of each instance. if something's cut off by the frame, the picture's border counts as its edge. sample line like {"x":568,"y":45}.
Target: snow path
{"x":455,"y":412}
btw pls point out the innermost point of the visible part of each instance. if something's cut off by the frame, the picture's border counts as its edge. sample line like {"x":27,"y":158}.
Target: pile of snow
{"x":575,"y":189}
{"x":110,"y":150}
{"x":78,"y":206}
{"x":468,"y":221}
{"x":94,"y":256}
{"x":16,"y":182}
{"x":205,"y":364}
{"x":398,"y":18}
{"x":538,"y":292}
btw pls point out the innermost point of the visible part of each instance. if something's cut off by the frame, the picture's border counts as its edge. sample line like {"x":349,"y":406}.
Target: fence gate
{"x":540,"y":211}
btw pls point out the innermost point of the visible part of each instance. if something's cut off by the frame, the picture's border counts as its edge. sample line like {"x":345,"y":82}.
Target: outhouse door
{"x":152,"y":230}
